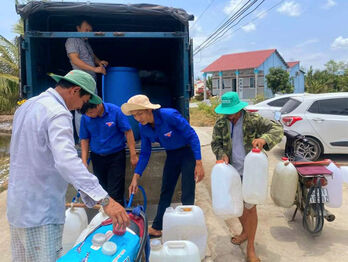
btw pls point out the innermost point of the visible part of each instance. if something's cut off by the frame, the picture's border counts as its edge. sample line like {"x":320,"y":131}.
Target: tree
{"x":278,"y":81}
{"x":9,"y":75}
{"x":334,"y":67}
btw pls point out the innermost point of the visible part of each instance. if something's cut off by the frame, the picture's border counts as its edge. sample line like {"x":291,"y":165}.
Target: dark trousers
{"x":178,"y":161}
{"x":110,"y":170}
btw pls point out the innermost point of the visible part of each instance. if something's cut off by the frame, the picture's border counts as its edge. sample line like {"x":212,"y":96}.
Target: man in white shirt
{"x":43,"y":160}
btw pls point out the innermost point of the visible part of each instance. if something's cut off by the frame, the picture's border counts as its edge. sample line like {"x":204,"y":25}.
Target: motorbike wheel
{"x":313,"y":215}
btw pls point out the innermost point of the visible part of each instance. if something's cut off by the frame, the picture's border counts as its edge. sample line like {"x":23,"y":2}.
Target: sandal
{"x":153,"y":233}
{"x":236,"y":240}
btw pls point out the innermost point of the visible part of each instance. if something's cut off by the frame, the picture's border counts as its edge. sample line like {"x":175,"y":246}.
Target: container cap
{"x":98,"y":239}
{"x":109,"y":248}
{"x":156,"y":244}
{"x":285,"y":158}
{"x":220,"y":162}
{"x":256,"y":150}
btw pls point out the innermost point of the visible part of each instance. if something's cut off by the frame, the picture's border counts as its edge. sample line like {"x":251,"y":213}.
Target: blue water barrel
{"x":118,"y":85}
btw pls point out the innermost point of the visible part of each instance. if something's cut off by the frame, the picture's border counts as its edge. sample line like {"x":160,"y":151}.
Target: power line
{"x":211,"y":2}
{"x":222,"y":27}
{"x":256,"y":18}
{"x":219,"y":37}
{"x":227,"y":25}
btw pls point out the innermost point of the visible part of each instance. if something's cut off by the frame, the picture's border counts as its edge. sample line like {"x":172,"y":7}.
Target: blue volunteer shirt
{"x":106,"y":133}
{"x":171,"y":130}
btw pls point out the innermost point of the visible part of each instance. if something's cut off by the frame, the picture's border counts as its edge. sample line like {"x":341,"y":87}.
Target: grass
{"x":204,"y":114}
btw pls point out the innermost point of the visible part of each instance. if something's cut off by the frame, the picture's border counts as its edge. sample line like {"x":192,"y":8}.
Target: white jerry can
{"x":174,"y":251}
{"x":226,"y":187}
{"x":75,"y":222}
{"x":185,"y":223}
{"x":255,"y":177}
{"x":284,"y":184}
{"x":96,"y":221}
{"x":344,"y":172}
{"x":334,"y":186}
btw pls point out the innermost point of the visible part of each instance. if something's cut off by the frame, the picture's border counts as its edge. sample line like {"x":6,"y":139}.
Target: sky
{"x":309,"y":31}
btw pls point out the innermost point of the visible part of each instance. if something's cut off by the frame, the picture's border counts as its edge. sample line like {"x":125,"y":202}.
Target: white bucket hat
{"x":138,"y":102}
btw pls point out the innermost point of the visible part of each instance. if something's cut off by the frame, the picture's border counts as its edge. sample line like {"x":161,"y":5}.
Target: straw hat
{"x":138,"y":102}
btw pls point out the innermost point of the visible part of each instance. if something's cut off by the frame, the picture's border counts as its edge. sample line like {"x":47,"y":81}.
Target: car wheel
{"x":310,"y":150}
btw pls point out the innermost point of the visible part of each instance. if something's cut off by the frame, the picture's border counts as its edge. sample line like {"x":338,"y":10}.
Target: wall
{"x":297,"y":78}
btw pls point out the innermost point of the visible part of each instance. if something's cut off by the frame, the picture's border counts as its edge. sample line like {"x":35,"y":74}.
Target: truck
{"x":151,"y":38}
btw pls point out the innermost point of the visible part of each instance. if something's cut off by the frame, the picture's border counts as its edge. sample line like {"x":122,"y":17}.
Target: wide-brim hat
{"x":230,"y":104}
{"x":138,"y":102}
{"x":83,"y":80}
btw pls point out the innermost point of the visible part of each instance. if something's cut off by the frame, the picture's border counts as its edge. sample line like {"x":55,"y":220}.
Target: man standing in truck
{"x":83,"y":58}
{"x":43,"y":161}
{"x":81,"y":54}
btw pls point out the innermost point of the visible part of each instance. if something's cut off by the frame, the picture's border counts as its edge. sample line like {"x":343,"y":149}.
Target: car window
{"x":279,"y":102}
{"x":290,"y":106}
{"x":335,"y":106}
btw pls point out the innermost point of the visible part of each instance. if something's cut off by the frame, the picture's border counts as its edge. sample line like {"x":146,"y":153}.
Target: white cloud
{"x":340,"y":43}
{"x":262,"y":14}
{"x":290,"y":8}
{"x":307,"y":42}
{"x":233,"y":5}
{"x":329,"y":4}
{"x":249,"y":27}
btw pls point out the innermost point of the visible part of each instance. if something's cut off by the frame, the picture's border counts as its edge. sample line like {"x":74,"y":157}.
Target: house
{"x":245,"y":73}
{"x":199,"y":87}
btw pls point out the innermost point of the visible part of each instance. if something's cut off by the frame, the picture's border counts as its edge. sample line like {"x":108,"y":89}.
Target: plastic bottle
{"x":75,"y":222}
{"x":255,"y":177}
{"x":226,"y":187}
{"x":344,"y":172}
{"x":334,"y":187}
{"x":185,"y":223}
{"x":284,"y":184}
{"x":174,"y":251}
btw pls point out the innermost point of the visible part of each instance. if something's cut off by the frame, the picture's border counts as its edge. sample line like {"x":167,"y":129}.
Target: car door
{"x":329,"y":119}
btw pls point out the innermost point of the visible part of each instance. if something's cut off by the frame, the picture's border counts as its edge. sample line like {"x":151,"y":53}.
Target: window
{"x":290,"y":106}
{"x":252,"y":82}
{"x":279,"y":102}
{"x":336,"y":106}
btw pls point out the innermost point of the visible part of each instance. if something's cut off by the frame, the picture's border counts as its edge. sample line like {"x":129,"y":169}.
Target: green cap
{"x":230,"y":104}
{"x":83,"y":80}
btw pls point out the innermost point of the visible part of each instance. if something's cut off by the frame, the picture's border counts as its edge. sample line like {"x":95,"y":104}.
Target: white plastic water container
{"x":344,"y":172}
{"x":255,"y":177}
{"x":226,"y":187}
{"x":75,"y":222}
{"x":334,"y":186}
{"x":96,"y":221}
{"x":284,"y":183}
{"x":174,"y":251}
{"x":185,"y":223}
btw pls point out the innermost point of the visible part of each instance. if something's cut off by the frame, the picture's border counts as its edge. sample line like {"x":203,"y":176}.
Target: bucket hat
{"x":138,"y":102}
{"x":230,"y":104}
{"x":83,"y":80}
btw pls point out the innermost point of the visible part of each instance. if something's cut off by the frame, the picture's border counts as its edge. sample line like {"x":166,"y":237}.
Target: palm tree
{"x":9,"y":75}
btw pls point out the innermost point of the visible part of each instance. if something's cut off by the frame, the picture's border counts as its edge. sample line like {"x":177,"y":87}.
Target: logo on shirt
{"x":109,"y":124}
{"x":169,"y":134}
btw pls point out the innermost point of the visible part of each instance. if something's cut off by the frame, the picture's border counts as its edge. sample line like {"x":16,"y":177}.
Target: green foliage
{"x":328,"y":80}
{"x":9,"y":72}
{"x":209,"y":109}
{"x":259,"y":98}
{"x":278,"y":81}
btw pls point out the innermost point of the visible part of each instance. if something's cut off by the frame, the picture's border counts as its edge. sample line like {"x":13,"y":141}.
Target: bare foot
{"x":251,"y":257}
{"x":237,"y":240}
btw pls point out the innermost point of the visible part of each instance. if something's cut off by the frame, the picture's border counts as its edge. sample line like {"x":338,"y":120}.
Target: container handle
{"x":177,"y":245}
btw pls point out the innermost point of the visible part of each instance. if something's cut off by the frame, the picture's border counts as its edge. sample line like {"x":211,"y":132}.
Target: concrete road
{"x":277,"y":240}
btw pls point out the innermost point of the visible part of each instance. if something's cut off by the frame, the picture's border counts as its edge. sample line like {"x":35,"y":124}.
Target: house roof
{"x":243,"y":60}
{"x":291,"y":64}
